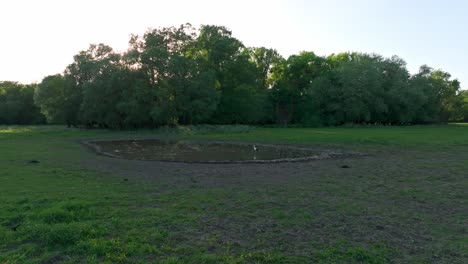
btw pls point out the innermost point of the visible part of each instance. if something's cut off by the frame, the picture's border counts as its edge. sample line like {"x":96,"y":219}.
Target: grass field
{"x":405,"y":202}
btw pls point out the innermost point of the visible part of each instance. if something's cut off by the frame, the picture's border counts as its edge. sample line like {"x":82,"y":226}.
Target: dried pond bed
{"x":207,"y":152}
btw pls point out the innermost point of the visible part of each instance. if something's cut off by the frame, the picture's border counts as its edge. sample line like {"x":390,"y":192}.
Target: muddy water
{"x":198,"y":152}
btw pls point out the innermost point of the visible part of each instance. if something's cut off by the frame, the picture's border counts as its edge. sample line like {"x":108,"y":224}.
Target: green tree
{"x":88,"y":79}
{"x":438,"y":94}
{"x":182,"y":89}
{"x":291,"y":80}
{"x":236,"y":75}
{"x":17,"y":104}
{"x":50,"y":97}
{"x":462,"y":114}
{"x":264,"y":60}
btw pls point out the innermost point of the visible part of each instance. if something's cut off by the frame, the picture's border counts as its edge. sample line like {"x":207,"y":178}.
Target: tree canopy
{"x":182,"y":76}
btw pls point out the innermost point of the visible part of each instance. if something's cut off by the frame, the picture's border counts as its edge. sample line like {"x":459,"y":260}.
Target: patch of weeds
{"x":56,"y":215}
{"x":80,"y":210}
{"x":137,"y":248}
{"x":25,"y":253}
{"x":14,"y":222}
{"x":57,"y":235}
{"x":293,"y":217}
{"x":66,"y":212}
{"x":5,"y":235}
{"x":377,"y":254}
{"x":23,"y":201}
{"x":208,"y":258}
{"x":262,"y":257}
{"x":52,"y":259}
{"x":108,"y":249}
{"x":279,"y":214}
{"x":171,"y":260}
{"x":148,"y":234}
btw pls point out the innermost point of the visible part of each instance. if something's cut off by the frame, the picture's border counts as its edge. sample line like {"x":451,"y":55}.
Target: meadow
{"x":405,"y":201}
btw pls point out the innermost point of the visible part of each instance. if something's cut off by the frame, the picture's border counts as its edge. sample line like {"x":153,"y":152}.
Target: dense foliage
{"x":17,"y":104}
{"x":182,"y":76}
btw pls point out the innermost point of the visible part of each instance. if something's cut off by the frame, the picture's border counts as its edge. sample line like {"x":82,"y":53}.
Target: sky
{"x":39,"y":38}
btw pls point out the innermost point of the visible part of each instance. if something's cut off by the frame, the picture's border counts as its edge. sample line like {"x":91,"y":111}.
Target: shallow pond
{"x":164,"y":150}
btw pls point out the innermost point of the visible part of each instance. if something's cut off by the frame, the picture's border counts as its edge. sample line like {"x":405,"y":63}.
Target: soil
{"x":208,"y":152}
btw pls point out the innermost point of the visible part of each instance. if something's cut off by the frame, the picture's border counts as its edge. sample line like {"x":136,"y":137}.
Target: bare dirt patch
{"x":208,"y":152}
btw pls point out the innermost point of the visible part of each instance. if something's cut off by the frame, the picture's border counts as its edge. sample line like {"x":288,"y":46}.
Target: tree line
{"x":183,"y":76}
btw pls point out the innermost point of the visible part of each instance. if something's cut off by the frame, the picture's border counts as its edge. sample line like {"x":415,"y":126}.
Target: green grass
{"x":453,"y":134}
{"x":60,"y":210}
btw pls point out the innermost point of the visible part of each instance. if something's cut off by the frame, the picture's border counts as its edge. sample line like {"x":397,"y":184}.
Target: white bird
{"x":255,"y":148}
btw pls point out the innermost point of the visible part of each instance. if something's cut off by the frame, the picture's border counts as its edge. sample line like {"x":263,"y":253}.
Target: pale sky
{"x":40,"y":37}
